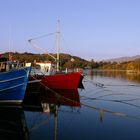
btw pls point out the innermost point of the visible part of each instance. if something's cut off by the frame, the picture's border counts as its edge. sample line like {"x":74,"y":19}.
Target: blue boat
{"x":13,"y":82}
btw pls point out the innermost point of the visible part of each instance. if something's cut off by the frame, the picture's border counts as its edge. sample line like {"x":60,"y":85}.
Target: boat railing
{"x":9,"y":65}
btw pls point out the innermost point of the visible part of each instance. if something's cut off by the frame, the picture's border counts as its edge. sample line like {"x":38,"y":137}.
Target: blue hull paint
{"x":13,"y":84}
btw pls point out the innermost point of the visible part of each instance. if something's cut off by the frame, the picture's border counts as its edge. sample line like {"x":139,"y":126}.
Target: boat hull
{"x":13,"y":85}
{"x":62,"y":81}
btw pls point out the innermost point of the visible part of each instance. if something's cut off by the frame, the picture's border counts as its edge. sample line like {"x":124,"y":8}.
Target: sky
{"x":90,"y":29}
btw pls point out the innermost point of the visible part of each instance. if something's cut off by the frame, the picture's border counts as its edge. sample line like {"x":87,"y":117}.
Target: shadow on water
{"x":13,"y":123}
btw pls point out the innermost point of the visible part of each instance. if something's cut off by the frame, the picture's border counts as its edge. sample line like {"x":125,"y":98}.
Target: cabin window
{"x":38,"y":67}
{"x":2,"y":67}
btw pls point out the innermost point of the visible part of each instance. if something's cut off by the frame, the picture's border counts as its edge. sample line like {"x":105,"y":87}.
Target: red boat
{"x":48,"y":71}
{"x":63,"y":81}
{"x":48,"y":76}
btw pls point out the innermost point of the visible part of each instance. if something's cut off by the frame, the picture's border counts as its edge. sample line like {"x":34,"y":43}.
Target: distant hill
{"x":66,"y":60}
{"x":123,"y":59}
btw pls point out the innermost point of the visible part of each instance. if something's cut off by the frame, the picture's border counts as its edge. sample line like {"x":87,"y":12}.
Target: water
{"x":107,"y":108}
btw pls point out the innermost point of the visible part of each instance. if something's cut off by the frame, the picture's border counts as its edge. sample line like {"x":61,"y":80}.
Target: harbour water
{"x":108,"y":107}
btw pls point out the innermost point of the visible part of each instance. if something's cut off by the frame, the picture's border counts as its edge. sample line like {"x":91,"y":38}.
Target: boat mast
{"x":10,"y":43}
{"x":58,"y":45}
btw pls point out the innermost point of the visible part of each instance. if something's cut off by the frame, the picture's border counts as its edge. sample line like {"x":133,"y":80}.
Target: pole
{"x":56,"y":123}
{"x":58,"y":44}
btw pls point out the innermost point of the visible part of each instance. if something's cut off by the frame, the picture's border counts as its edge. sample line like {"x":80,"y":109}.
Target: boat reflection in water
{"x":12,"y":123}
{"x":61,"y":97}
{"x":54,"y":99}
{"x":45,"y":99}
{"x":36,"y":95}
{"x":44,"y":112}
{"x":49,"y":102}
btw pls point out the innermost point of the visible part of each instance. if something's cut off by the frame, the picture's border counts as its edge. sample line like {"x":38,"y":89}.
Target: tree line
{"x":129,"y":65}
{"x":69,"y":61}
{"x":66,"y":60}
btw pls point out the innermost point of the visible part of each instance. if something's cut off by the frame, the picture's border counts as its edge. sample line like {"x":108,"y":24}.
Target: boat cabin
{"x":45,"y":68}
{"x":5,"y":64}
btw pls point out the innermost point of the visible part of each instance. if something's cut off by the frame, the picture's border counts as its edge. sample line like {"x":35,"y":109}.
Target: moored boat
{"x":50,"y":73}
{"x":62,"y":81}
{"x":48,"y":76}
{"x":13,"y":82}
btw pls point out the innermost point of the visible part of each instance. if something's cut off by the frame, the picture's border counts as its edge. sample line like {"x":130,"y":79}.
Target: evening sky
{"x":90,"y":29}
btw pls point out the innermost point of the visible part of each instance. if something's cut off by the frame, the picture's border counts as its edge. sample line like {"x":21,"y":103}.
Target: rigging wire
{"x":41,"y":36}
{"x":66,"y":44}
{"x":30,"y":41}
{"x":36,"y":46}
{"x":111,"y":112}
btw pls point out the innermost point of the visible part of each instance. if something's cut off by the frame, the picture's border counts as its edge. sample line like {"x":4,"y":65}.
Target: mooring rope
{"x":111,"y":112}
{"x":89,"y":106}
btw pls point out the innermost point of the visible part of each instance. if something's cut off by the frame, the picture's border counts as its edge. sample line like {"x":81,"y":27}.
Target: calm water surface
{"x":107,"y":108}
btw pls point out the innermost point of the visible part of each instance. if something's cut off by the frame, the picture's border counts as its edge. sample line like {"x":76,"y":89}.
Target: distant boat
{"x":13,"y":81}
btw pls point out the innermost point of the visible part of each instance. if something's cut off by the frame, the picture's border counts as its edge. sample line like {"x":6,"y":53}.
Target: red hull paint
{"x":62,"y":81}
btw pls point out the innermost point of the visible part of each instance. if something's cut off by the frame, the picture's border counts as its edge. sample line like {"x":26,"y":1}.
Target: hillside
{"x":66,"y":60}
{"x":123,"y":59}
